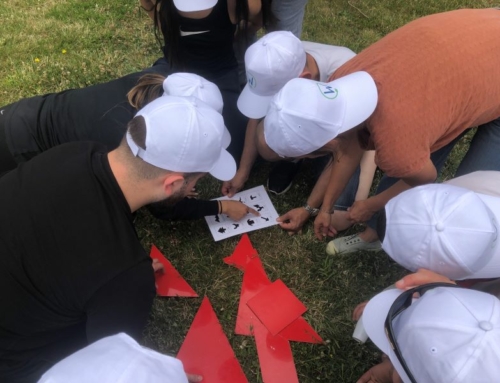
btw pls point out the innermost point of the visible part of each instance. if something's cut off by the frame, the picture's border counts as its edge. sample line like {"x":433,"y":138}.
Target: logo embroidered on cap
{"x":252,"y":82}
{"x":328,"y":91}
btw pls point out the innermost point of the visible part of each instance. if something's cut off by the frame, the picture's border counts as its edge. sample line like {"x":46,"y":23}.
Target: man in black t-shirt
{"x":72,"y":269}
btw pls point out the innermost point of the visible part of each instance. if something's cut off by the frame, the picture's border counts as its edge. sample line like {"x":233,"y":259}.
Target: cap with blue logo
{"x":270,"y":63}
{"x":305,"y":115}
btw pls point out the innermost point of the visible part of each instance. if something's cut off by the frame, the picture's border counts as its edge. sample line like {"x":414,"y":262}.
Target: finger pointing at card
{"x":237,"y":210}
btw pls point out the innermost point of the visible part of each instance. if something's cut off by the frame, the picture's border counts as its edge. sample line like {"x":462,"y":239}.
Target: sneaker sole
{"x":281,"y":193}
{"x":349,"y":252}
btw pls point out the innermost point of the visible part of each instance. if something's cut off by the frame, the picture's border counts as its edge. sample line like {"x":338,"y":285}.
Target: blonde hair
{"x":148,"y":88}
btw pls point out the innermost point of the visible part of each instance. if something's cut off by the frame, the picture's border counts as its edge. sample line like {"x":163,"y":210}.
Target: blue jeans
{"x":348,"y":195}
{"x":483,"y":154}
{"x":484,"y":150}
{"x":289,"y":15}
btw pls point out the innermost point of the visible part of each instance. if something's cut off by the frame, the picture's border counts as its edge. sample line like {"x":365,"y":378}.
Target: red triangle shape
{"x":254,"y":281}
{"x":242,"y":254}
{"x":300,"y":331}
{"x":207,"y":352}
{"x":170,"y":283}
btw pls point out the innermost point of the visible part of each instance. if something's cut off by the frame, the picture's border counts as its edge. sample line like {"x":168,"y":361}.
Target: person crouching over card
{"x":72,"y":267}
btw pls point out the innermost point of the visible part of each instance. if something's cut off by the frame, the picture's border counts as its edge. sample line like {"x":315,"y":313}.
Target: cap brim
{"x":253,"y":105}
{"x":225,"y":167}
{"x":226,"y":138}
{"x":361,"y":96}
{"x":374,"y":316}
{"x":193,"y":6}
{"x":492,"y":267}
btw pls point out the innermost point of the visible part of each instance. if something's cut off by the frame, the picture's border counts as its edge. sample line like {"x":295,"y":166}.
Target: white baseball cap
{"x":116,"y":359}
{"x":448,"y":335}
{"x":305,"y":115}
{"x":190,"y":84}
{"x":444,"y":228}
{"x":194,"y":5}
{"x":183,"y":134}
{"x":270,"y":63}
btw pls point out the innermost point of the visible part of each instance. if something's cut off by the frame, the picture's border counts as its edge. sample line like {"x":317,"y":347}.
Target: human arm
{"x":346,"y":160}
{"x":248,"y":157}
{"x":149,"y":7}
{"x":367,"y":172}
{"x":421,"y":277}
{"x":123,"y":304}
{"x":293,"y":220}
{"x":362,"y":211}
{"x":254,"y":14}
{"x":190,"y":208}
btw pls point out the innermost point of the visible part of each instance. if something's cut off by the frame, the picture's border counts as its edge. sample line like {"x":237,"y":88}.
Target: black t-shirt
{"x":95,"y":113}
{"x":72,"y":269}
{"x":206,"y":45}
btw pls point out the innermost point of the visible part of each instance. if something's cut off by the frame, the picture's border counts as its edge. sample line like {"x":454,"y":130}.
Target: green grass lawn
{"x":48,"y":46}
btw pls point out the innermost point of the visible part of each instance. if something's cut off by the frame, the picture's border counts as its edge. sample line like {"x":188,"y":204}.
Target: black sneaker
{"x":281,"y":176}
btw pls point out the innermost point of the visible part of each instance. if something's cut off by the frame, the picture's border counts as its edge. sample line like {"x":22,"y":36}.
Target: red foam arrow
{"x":242,"y":254}
{"x":170,"y":283}
{"x":207,"y":352}
{"x":275,"y":356}
{"x":254,"y":281}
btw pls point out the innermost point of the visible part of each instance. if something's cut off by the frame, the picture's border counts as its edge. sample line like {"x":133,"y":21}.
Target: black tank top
{"x":207,"y":44}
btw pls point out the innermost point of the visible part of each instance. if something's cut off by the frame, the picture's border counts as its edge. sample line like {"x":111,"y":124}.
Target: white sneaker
{"x":351,"y":244}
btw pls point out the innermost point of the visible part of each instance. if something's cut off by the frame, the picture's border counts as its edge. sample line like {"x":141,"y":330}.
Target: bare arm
{"x":149,"y":7}
{"x":293,"y":220}
{"x":362,"y":211}
{"x":368,"y":168}
{"x":248,"y":157}
{"x":348,"y":157}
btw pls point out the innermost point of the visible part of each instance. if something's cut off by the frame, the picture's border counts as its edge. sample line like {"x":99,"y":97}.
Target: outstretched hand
{"x":360,"y":211}
{"x":231,"y":187}
{"x":237,"y":210}
{"x":323,"y":226}
{"x":293,"y":220}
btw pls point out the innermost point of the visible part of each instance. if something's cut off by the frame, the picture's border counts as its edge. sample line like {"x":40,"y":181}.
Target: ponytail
{"x":148,"y":88}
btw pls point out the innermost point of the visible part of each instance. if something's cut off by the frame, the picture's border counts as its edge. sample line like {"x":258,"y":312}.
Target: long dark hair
{"x":167,"y":21}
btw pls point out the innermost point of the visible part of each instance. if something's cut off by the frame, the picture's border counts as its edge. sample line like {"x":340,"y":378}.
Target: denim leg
{"x":289,"y":15}
{"x":438,"y":158}
{"x":484,"y":150}
{"x":347,"y":197}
